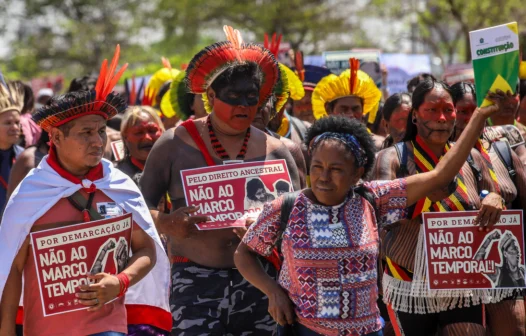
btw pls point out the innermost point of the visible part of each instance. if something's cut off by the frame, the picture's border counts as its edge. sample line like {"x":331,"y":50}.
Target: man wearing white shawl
{"x":74,"y":167}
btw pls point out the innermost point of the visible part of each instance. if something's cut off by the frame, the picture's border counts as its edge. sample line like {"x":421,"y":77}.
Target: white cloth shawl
{"x":44,"y":187}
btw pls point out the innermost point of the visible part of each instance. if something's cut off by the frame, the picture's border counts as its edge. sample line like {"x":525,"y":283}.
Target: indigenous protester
{"x":413,"y":308}
{"x":352,"y":94}
{"x":11,"y":105}
{"x":141,"y":127}
{"x":328,"y":283}
{"x":88,"y":83}
{"x":310,"y":75}
{"x":283,"y":123}
{"x":507,"y":116}
{"x":209,"y":295}
{"x":395,"y":113}
{"x":30,"y":158}
{"x":73,"y":174}
{"x":289,"y":86}
{"x":30,"y":130}
{"x":506,"y":317}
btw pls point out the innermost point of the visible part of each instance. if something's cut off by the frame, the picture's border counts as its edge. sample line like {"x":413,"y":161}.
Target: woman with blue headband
{"x":329,"y":236}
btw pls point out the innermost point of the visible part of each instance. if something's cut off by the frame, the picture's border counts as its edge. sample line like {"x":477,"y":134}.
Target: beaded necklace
{"x":218,"y":147}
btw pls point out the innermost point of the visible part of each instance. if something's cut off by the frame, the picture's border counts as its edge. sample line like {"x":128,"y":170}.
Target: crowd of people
{"x":343,"y":254}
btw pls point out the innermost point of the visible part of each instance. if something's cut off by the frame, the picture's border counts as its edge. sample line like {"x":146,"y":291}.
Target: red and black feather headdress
{"x":212,"y":61}
{"x":101,"y":101}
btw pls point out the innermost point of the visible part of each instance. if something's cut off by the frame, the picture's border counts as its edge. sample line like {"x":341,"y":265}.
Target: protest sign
{"x":64,"y":256}
{"x":459,"y":256}
{"x":402,"y":67}
{"x":495,"y":54}
{"x":229,"y":194}
{"x":117,"y":148}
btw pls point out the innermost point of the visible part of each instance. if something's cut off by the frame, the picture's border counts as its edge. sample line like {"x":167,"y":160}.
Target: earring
{"x":414,"y":120}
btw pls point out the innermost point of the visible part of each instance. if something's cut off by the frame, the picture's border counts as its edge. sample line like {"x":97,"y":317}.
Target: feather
{"x":234,"y":37}
{"x":298,"y":63}
{"x":133,"y":93}
{"x":354,"y":65}
{"x":274,"y":44}
{"x":107,"y":79}
{"x":147,"y":98}
{"x":113,"y":65}
{"x":115,"y":79}
{"x":102,"y":76}
{"x":166,"y":63}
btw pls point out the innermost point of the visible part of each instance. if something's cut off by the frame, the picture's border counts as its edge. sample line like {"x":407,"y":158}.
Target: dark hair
{"x":85,"y":83}
{"x":43,"y":140}
{"x":394,"y":102}
{"x":248,"y":70}
{"x":252,"y":188}
{"x":415,"y":81}
{"x":419,"y":95}
{"x":459,"y":90}
{"x":339,"y":124}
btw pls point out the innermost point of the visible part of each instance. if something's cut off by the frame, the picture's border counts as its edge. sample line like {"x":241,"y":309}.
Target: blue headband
{"x":348,"y":140}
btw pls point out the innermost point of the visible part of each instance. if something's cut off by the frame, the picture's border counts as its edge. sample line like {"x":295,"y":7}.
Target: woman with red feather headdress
{"x":235,"y":79}
{"x":73,"y":184}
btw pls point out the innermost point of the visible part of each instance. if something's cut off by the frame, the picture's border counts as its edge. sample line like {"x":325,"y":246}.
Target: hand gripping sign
{"x":459,"y":256}
{"x":65,"y":256}
{"x":229,"y":194}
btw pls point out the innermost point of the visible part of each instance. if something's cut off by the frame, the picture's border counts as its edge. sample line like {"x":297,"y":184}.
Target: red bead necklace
{"x":218,"y":147}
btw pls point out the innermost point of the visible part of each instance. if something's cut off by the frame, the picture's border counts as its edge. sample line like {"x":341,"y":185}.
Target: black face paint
{"x":242,"y":92}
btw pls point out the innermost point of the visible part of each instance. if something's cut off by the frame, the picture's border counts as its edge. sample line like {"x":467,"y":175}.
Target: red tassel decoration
{"x":133,"y":94}
{"x":85,"y":215}
{"x":298,"y":63}
{"x":354,"y":66}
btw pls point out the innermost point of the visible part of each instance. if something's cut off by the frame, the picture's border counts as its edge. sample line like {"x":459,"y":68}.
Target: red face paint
{"x":144,"y":132}
{"x":465,"y":108}
{"x":237,"y":117}
{"x":398,"y":122}
{"x":399,"y":117}
{"x":441,"y":110}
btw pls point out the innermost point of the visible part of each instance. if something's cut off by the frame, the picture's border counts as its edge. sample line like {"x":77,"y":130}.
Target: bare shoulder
{"x":261,"y":137}
{"x":291,"y":145}
{"x":378,"y":141}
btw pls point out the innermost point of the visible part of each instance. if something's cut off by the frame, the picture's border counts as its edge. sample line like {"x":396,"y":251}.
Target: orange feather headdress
{"x":212,"y":61}
{"x":100,"y":101}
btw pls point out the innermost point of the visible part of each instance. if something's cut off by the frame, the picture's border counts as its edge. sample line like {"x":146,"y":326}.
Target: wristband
{"x":124,"y":282}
